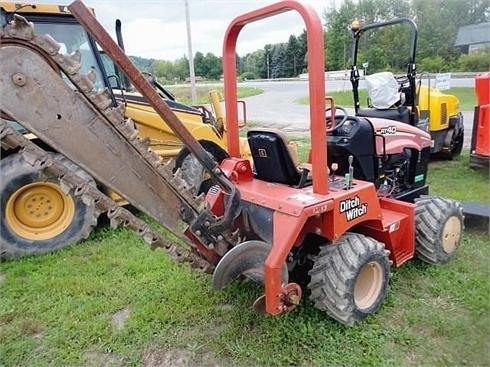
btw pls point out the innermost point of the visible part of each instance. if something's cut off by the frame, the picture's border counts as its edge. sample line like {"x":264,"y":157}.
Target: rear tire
{"x":438,"y":229}
{"x":192,"y":170}
{"x":457,"y":144}
{"x":349,"y":280}
{"x":37,"y":216}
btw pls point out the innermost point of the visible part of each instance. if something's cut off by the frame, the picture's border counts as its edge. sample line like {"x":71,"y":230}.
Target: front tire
{"x":349,"y":280}
{"x":38,"y":216}
{"x":438,"y":229}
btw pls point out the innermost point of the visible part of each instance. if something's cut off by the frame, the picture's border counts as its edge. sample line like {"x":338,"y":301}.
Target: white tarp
{"x":382,"y":89}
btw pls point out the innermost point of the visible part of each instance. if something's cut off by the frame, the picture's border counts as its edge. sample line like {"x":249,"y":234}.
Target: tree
{"x":182,"y":68}
{"x":385,"y":49}
{"x":478,"y":61}
{"x":143,"y":63}
{"x":165,"y":70}
{"x":338,"y":38}
{"x":213,"y":66}
{"x":302,"y":49}
{"x":439,"y":20}
{"x":199,"y":66}
{"x":435,"y":64}
{"x":293,"y":61}
{"x":255,"y":63}
{"x":278,"y":62}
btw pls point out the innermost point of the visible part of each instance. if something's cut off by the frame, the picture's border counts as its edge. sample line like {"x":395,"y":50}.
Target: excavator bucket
{"x":247,"y":259}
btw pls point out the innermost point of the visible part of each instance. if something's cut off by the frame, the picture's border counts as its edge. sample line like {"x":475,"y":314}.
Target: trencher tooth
{"x":20,"y":27}
{"x":77,"y":56}
{"x":70,"y":64}
{"x":101,"y":99}
{"x":48,"y":44}
{"x":92,"y":75}
{"x":116,"y":115}
{"x":83,"y":82}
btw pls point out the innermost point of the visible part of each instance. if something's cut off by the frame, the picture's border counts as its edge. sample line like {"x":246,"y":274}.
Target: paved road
{"x":278,"y":106}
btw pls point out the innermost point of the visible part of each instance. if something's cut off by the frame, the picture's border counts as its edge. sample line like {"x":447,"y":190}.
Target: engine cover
{"x":393,"y":155}
{"x":397,"y":136}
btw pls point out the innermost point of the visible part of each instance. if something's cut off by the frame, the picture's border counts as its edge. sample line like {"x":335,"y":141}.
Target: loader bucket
{"x":247,"y":259}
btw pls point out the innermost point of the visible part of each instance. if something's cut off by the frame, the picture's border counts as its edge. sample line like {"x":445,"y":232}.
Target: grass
{"x":455,"y":180}
{"x":58,"y":309}
{"x":183,"y":93}
{"x":342,"y":98}
{"x":466,"y":96}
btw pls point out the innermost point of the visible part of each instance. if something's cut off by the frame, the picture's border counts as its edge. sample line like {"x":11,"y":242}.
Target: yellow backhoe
{"x":39,"y":214}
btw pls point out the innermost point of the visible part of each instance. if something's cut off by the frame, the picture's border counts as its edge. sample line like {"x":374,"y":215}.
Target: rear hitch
{"x":289,"y":297}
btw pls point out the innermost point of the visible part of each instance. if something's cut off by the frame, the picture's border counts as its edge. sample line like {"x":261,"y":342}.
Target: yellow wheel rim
{"x":368,"y":285}
{"x":39,"y":211}
{"x":451,"y":234}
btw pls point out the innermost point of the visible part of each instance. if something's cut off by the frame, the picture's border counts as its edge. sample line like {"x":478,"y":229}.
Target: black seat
{"x":272,"y":159}
{"x":400,"y":113}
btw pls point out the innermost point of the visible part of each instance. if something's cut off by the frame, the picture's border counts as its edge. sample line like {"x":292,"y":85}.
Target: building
{"x":473,"y":37}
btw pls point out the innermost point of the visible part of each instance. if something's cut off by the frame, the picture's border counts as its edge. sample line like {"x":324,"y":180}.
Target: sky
{"x":157,"y":29}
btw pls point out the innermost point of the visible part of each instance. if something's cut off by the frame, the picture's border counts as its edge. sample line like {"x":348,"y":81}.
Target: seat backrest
{"x":272,"y":159}
{"x":401,"y":113}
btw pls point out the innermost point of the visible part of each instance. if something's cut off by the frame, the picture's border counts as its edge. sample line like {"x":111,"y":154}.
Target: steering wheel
{"x":332,"y":126}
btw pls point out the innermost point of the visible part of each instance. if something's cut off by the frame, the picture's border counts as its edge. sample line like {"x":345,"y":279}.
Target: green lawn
{"x":466,"y":96}
{"x":110,"y":301}
{"x":183,"y":94}
{"x":342,"y":98}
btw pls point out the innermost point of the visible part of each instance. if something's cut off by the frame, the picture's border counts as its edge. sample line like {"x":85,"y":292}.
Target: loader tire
{"x":192,"y":170}
{"x":457,"y":144}
{"x":438,"y":229}
{"x":349,"y":280}
{"x":37,"y":216}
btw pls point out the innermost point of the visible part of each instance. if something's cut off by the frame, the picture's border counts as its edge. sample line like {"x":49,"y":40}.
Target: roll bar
{"x":316,"y":67}
{"x":411,"y":68}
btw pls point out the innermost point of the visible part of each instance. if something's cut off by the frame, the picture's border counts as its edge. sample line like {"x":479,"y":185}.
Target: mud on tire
{"x":438,"y":229}
{"x":36,"y":216}
{"x":349,"y":280}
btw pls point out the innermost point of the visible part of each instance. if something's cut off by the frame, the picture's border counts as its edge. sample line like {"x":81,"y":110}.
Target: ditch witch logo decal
{"x":353,"y":208}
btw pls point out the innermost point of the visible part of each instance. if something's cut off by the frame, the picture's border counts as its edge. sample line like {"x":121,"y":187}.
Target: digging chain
{"x":90,"y":195}
{"x":21,"y":30}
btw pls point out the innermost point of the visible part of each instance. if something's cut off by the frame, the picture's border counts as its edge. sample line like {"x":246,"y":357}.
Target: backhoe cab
{"x":400,"y":98}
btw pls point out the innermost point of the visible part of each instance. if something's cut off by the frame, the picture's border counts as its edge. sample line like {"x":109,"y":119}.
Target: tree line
{"x":438,"y":22}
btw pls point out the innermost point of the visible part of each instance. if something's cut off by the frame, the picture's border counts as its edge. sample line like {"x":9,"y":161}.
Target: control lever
{"x":333,"y":168}
{"x":350,"y":176}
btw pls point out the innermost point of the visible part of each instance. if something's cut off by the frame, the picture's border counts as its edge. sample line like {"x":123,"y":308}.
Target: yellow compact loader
{"x":400,"y":99}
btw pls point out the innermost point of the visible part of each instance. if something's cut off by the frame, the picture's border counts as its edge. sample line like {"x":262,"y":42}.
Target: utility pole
{"x":191,"y":55}
{"x":268,"y":74}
